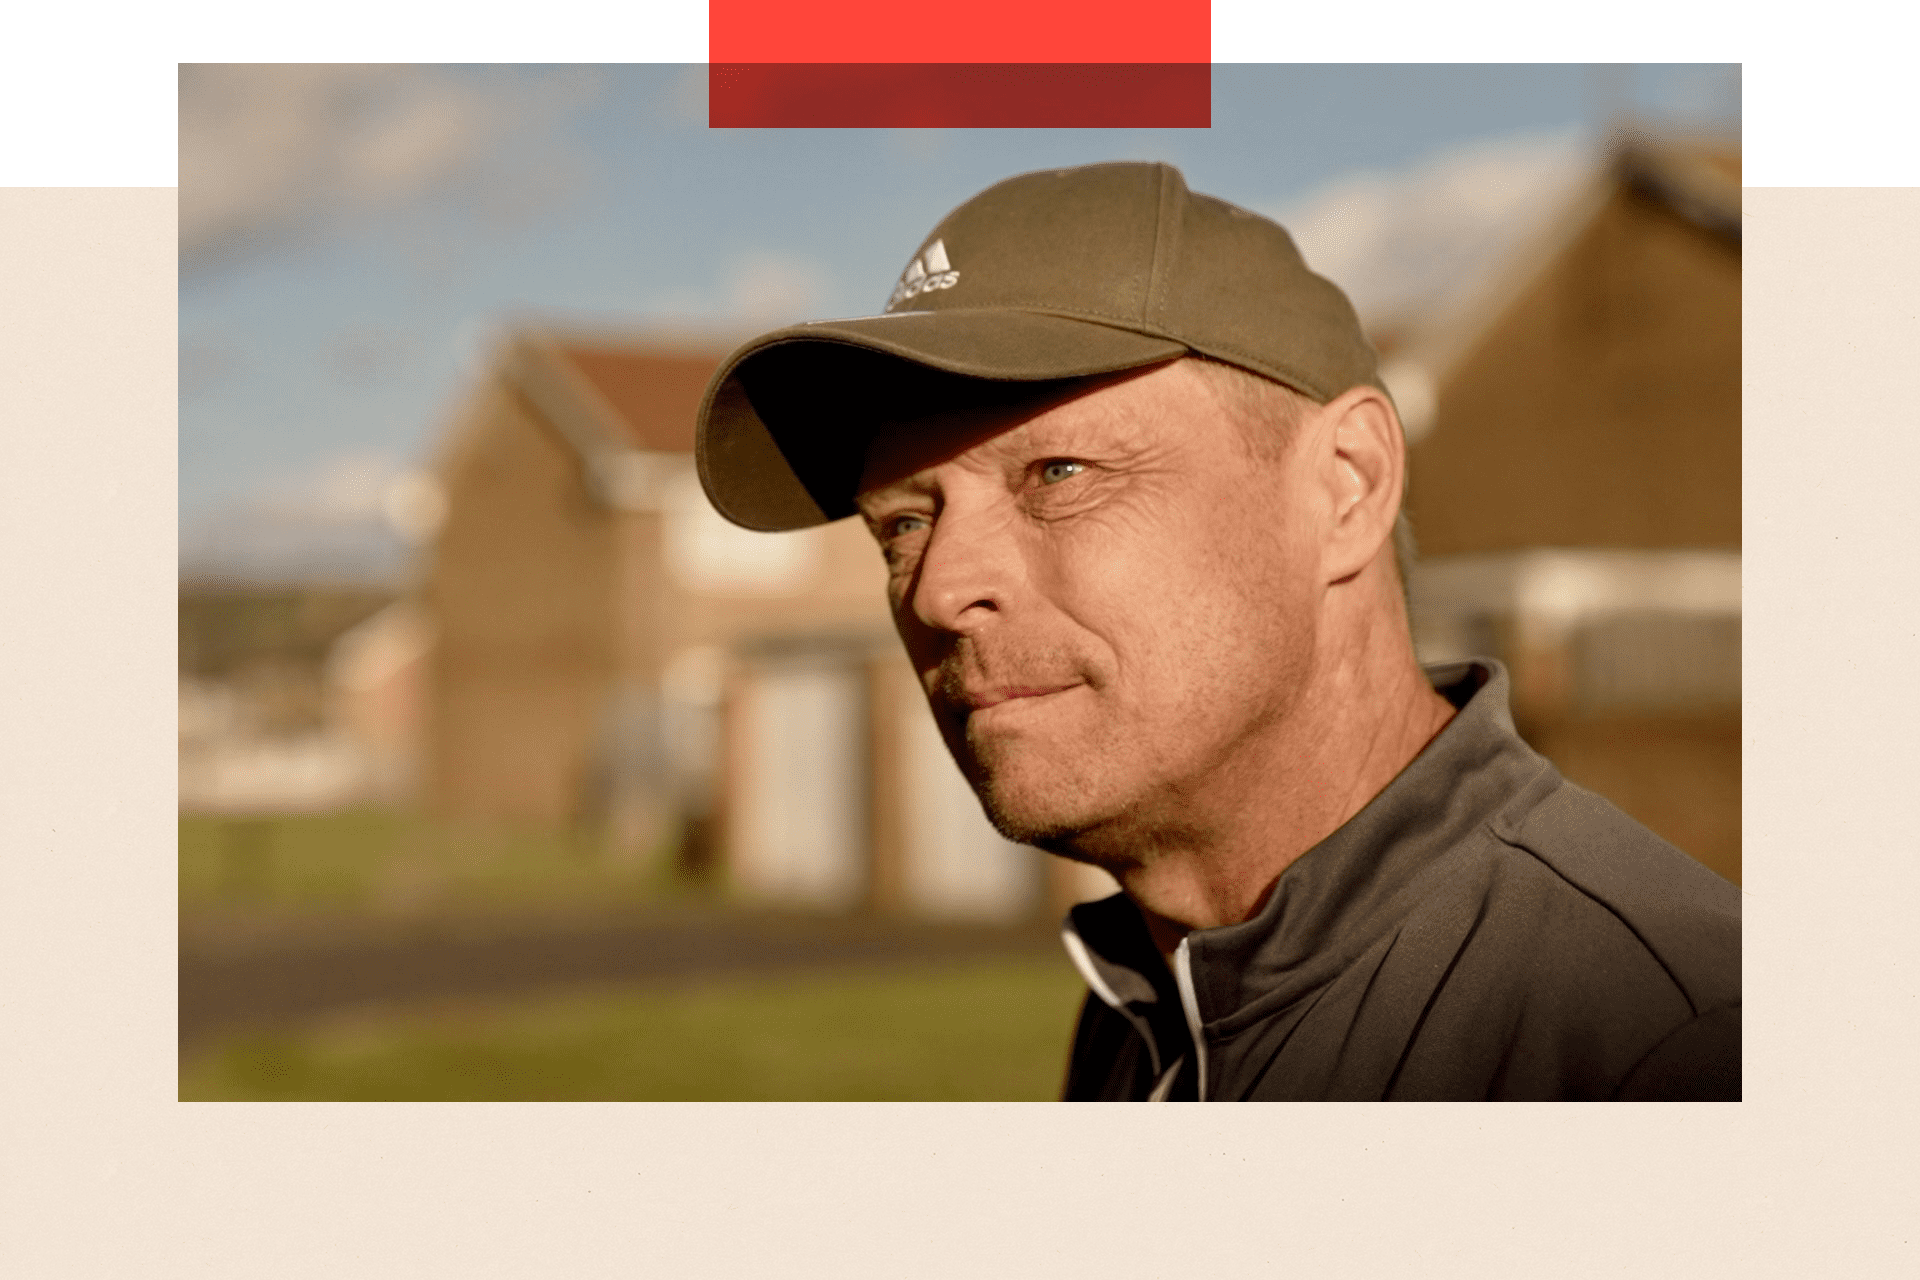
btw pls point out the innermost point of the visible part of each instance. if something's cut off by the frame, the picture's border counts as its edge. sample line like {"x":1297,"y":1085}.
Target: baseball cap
{"x":1041,"y":279}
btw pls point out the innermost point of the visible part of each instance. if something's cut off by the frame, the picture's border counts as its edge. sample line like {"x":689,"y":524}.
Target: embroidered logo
{"x":928,"y":271}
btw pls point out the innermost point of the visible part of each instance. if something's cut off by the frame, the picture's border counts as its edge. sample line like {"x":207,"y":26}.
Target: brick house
{"x":1574,"y":485}
{"x":609,"y":652}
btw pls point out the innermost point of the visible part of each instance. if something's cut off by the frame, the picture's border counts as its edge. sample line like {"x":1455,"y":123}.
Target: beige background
{"x":105,"y":1175}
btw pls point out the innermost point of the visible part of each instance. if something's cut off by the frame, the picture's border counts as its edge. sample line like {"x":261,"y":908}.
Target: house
{"x":258,"y":731}
{"x":607,"y":651}
{"x":1574,"y":486}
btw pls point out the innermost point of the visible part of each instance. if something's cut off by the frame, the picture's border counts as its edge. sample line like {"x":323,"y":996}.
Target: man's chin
{"x":1050,"y":817}
{"x":1031,"y":797}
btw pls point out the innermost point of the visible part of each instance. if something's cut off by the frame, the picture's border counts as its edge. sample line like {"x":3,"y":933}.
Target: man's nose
{"x":967,"y":572}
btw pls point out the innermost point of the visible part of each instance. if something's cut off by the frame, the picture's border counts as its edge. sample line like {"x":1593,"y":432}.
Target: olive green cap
{"x":1048,"y":276}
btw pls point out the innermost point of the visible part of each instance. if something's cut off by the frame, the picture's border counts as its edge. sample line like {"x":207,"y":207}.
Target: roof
{"x":627,"y":407}
{"x":654,"y":396}
{"x":1700,"y":185}
{"x":1697,"y":182}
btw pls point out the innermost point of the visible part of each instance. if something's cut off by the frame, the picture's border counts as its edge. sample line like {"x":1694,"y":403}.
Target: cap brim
{"x":786,"y":421}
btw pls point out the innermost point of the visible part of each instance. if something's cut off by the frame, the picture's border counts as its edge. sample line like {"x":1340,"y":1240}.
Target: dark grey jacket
{"x":1481,"y":929}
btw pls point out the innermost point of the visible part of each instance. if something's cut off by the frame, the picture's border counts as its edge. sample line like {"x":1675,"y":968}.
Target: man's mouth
{"x":981,"y":699}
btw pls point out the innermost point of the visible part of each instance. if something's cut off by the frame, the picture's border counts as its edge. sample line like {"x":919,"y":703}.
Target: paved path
{"x":233,"y":978}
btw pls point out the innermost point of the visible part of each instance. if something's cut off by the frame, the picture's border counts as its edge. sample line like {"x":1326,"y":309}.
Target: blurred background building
{"x":1574,"y":484}
{"x":459,"y":632}
{"x":608,"y":652}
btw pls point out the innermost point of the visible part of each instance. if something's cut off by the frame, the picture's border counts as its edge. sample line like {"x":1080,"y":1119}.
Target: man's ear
{"x":1367,"y":468}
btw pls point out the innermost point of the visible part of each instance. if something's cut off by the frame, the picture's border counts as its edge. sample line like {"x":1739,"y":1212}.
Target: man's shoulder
{"x":1596,"y":858}
{"x":1576,"y":954}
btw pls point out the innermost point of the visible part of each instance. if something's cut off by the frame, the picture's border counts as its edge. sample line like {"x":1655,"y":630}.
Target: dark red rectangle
{"x":960,"y":95}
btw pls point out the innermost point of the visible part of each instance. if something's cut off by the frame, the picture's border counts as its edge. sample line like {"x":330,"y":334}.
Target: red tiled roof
{"x":655,"y":396}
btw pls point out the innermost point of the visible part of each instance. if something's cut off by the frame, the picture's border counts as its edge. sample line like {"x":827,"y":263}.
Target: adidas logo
{"x":927,"y":272}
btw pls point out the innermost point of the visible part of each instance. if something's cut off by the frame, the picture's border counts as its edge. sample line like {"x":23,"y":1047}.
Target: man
{"x":1136,"y":479}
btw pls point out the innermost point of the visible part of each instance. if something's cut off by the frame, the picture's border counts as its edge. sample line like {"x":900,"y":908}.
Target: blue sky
{"x":350,"y":236}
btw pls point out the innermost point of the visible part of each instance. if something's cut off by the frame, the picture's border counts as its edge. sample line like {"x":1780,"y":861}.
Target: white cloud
{"x":766,"y":289}
{"x":347,"y":488}
{"x":267,"y":150}
{"x":1400,"y":241}
{"x":356,"y":516}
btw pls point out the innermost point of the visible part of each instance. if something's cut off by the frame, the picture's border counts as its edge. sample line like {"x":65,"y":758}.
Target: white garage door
{"x":957,"y":865}
{"x":799,"y":806}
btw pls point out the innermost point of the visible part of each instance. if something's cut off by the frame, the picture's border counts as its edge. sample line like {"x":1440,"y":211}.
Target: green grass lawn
{"x":980,"y":1030}
{"x":381,"y":862}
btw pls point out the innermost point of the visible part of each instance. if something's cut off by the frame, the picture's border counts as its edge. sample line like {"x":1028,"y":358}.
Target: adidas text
{"x":928,"y":271}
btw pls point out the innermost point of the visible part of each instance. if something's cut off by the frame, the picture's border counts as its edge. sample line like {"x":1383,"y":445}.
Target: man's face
{"x":1109,"y":600}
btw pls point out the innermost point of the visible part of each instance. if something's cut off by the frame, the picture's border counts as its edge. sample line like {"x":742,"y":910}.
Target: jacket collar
{"x":1334,"y":899}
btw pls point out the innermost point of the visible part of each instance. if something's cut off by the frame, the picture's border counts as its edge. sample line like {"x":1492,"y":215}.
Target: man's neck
{"x":1364,"y":717}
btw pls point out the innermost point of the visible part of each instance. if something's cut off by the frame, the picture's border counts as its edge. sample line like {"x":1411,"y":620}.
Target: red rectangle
{"x":965,"y":95}
{"x":828,"y":31}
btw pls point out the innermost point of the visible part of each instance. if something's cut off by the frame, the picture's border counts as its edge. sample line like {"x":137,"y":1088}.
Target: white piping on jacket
{"x":1190,"y":1005}
{"x":1165,"y":1087}
{"x":1083,"y":961}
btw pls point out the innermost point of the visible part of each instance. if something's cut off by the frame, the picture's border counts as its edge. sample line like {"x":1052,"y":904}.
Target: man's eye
{"x":1060,"y":469}
{"x":901,"y":526}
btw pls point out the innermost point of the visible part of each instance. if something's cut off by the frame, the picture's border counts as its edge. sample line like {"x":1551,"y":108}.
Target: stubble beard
{"x":1108,"y":801}
{"x":1112,"y":798}
{"x":1029,"y":799}
{"x":1055,"y":811}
